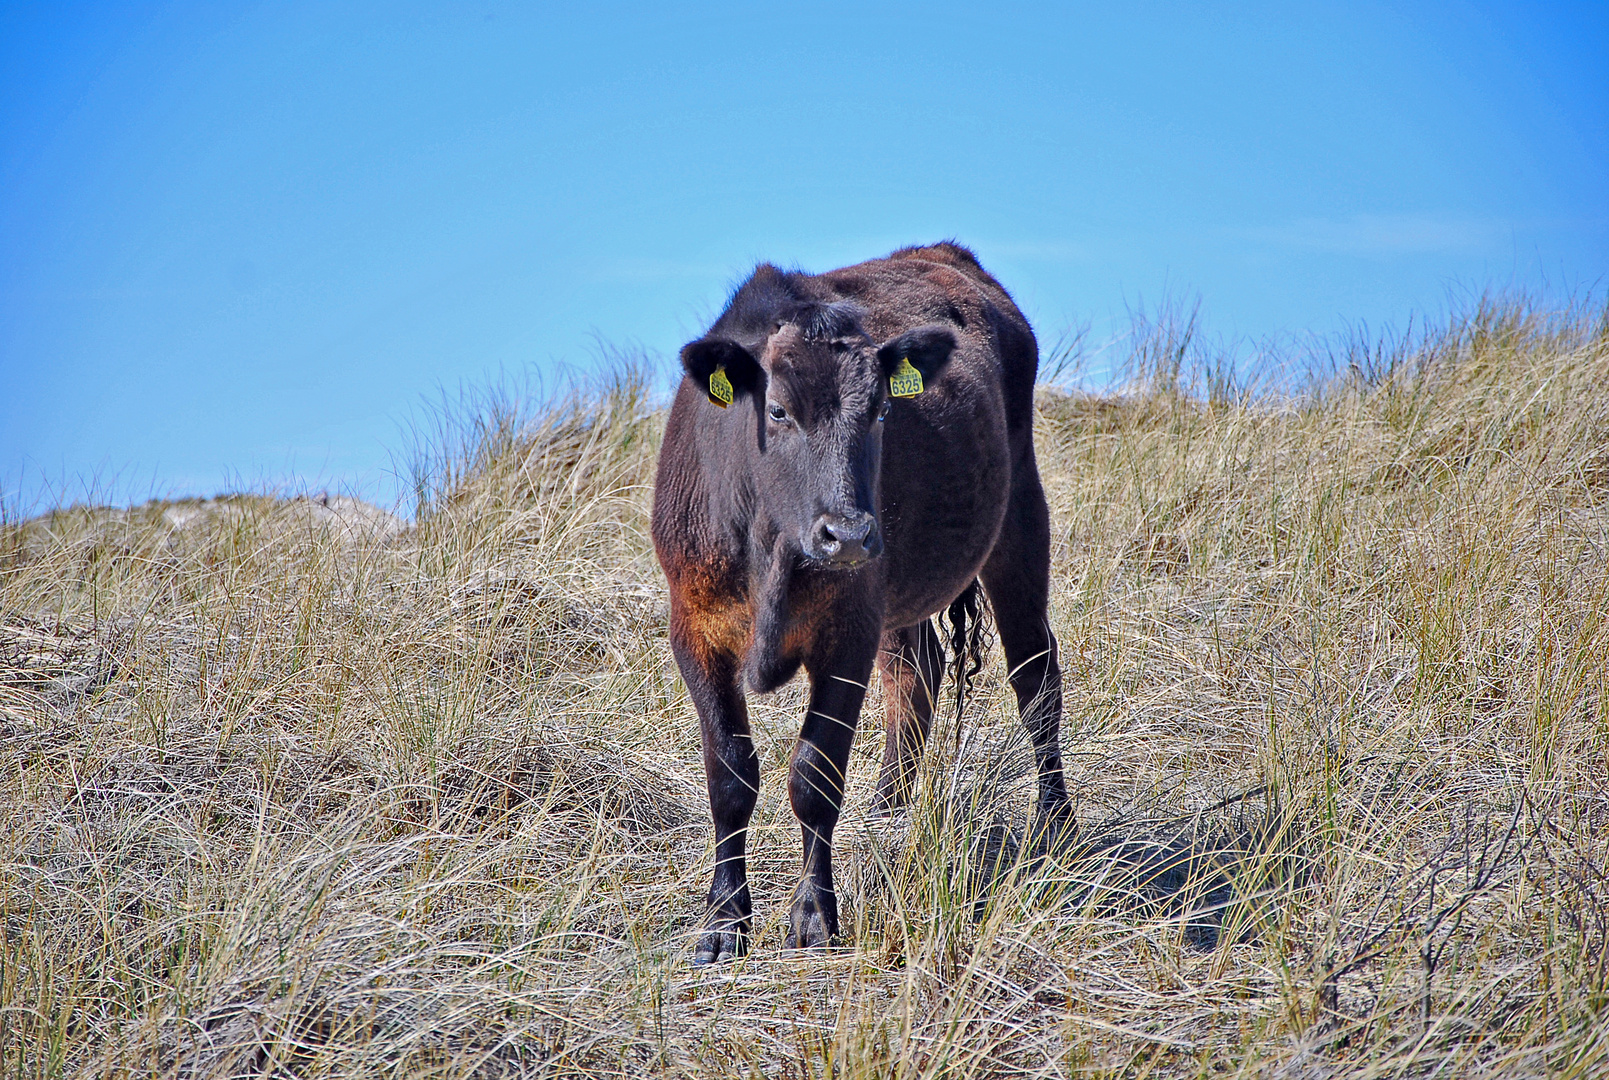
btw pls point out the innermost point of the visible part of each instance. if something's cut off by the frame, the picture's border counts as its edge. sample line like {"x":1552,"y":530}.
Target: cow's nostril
{"x":820,"y":544}
{"x":849,"y":532}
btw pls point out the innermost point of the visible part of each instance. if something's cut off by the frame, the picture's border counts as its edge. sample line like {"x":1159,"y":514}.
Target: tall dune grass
{"x":300,"y":792}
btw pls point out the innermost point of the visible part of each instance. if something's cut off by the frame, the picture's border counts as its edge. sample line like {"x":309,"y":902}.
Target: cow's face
{"x":819,"y":403}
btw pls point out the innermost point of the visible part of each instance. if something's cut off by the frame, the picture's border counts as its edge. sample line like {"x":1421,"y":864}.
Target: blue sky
{"x":241,"y":243}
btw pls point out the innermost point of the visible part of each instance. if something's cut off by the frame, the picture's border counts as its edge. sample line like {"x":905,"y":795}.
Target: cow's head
{"x":819,"y":389}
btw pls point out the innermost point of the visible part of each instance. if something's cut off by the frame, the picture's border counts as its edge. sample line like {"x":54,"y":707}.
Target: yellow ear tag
{"x":720,"y":386}
{"x":906,"y":380}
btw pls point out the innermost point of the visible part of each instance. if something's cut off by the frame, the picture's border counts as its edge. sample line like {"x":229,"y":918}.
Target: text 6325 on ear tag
{"x":906,"y":380}
{"x":720,"y":387}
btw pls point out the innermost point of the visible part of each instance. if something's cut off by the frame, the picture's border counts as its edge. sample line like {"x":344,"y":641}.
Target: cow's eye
{"x":882,"y":410}
{"x":777,"y":412}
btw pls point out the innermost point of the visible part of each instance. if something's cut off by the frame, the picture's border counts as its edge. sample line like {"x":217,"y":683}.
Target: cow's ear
{"x":722,"y":369}
{"x":913,"y":359}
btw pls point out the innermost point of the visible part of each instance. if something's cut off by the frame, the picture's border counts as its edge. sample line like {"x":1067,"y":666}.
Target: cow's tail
{"x":969,"y":643}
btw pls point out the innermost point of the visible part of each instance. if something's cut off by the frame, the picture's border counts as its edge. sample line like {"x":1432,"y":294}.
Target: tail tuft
{"x":969,"y":642}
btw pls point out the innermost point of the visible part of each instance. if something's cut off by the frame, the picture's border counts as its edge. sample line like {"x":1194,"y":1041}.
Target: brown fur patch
{"x":709,"y":612}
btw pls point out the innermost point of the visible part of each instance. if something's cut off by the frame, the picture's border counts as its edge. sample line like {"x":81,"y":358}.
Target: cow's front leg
{"x":732,"y":774}
{"x":816,"y":782}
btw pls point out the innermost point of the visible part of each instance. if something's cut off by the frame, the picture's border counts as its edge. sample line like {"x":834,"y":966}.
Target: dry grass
{"x":293,"y":790}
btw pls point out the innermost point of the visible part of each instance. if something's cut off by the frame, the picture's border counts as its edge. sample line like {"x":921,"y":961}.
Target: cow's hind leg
{"x":732,"y":774}
{"x":1017,"y":579}
{"x":911,"y":663}
{"x":816,"y":782}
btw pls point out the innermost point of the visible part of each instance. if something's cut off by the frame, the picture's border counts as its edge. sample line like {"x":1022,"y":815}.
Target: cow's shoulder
{"x":681,"y":525}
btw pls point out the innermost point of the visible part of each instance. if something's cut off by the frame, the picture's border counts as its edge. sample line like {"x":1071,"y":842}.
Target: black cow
{"x":848,"y":453}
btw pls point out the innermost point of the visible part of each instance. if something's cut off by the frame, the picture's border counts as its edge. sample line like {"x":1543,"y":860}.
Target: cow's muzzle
{"x":844,"y":539}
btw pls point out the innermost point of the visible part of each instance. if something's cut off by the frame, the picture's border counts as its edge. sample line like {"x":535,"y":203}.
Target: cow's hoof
{"x":809,"y":930}
{"x":889,"y":801}
{"x":1054,"y":830}
{"x":794,"y":943}
{"x":720,"y":947}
